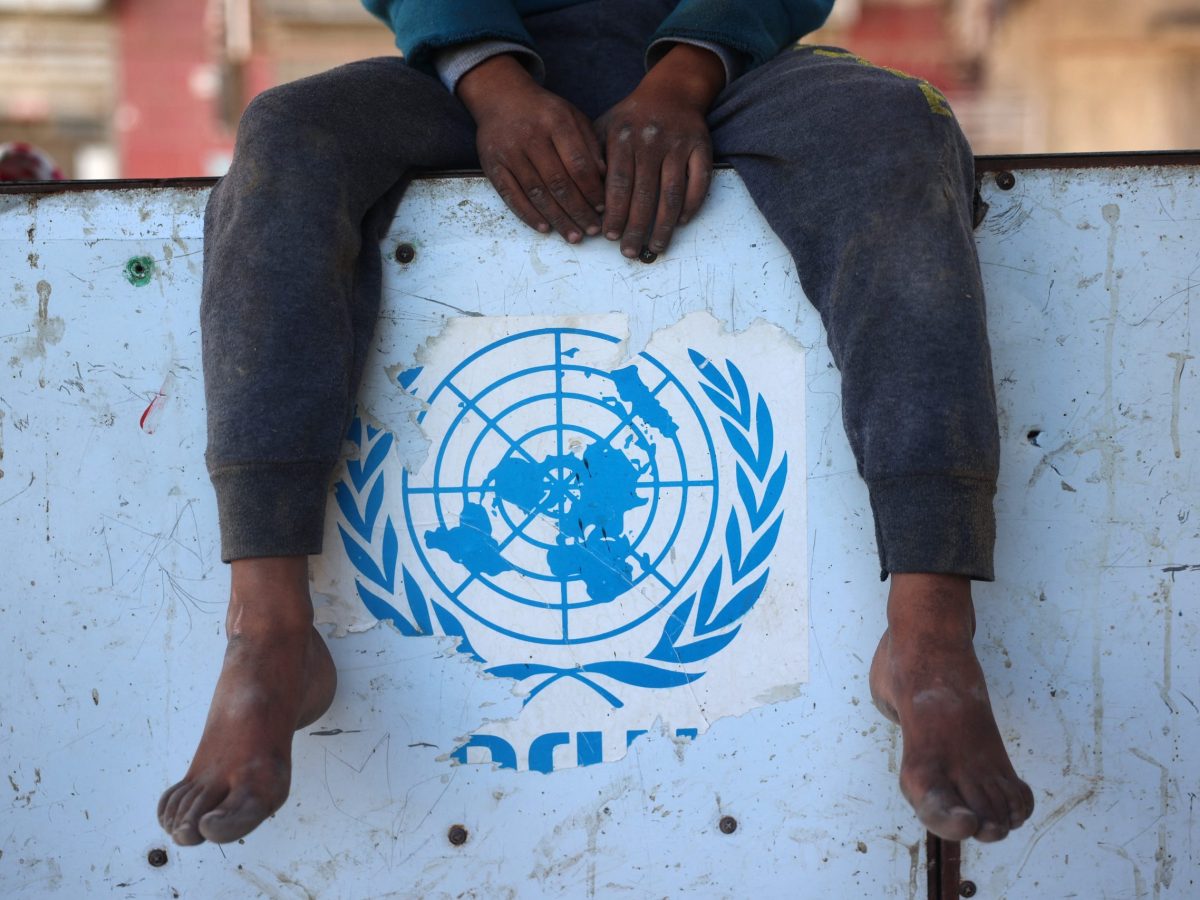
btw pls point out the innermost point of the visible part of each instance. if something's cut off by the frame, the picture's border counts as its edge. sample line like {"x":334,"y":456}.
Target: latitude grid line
{"x":492,"y":423}
{"x":481,"y":488}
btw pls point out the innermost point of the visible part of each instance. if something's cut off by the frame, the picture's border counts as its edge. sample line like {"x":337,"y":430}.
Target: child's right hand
{"x":538,"y":150}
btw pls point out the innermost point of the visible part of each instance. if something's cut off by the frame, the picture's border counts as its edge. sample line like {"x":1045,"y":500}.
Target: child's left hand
{"x":658,"y":150}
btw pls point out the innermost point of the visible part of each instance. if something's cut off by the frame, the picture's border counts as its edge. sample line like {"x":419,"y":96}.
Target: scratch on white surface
{"x":1167,"y":587}
{"x":914,"y":862}
{"x":1139,"y":880}
{"x":1180,"y":361}
{"x":264,"y":886}
{"x":1164,"y":868}
{"x":11,"y":498}
{"x":1109,"y":451}
{"x":1053,"y":818}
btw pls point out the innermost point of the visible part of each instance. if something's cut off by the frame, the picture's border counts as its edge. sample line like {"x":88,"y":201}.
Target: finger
{"x":566,"y":172}
{"x":699,"y":176}
{"x":642,"y":205}
{"x":514,"y":198}
{"x":592,"y":142}
{"x":670,"y":203}
{"x":618,"y":182}
{"x":540,"y":195}
{"x":600,"y":130}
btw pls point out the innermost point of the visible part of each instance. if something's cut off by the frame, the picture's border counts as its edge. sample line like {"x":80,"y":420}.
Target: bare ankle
{"x":928,"y":606}
{"x":269,"y":593}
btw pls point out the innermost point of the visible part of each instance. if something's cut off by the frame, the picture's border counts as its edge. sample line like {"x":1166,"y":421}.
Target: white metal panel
{"x":1090,"y":277}
{"x":114,"y":595}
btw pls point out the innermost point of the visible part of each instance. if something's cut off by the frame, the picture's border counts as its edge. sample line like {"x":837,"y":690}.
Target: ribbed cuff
{"x":271,"y":509}
{"x":455,"y":62}
{"x":935,"y":524}
{"x":729,"y":59}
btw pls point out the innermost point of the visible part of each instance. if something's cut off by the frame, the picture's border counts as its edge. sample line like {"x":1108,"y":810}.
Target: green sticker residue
{"x":935,"y":98}
{"x":139,"y":270}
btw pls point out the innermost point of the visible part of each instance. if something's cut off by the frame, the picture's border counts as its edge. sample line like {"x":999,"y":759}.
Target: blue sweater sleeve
{"x":422,"y":28}
{"x":758,"y":29}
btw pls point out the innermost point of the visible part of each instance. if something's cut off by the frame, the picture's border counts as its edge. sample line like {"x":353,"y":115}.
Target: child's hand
{"x":537,"y":149}
{"x":659,"y":151}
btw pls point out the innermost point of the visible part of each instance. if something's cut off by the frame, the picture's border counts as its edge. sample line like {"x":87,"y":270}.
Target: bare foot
{"x":277,"y":677}
{"x":954,"y":771}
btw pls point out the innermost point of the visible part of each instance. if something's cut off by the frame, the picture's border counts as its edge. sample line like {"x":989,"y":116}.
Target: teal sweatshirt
{"x":756,"y":29}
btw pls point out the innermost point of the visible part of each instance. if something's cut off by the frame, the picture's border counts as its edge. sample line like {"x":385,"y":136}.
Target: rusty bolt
{"x":457,"y":835}
{"x":1006,"y":181}
{"x":405,"y":254}
{"x":157,"y":857}
{"x":966,"y":889}
{"x":647,"y":255}
{"x":728,"y":825}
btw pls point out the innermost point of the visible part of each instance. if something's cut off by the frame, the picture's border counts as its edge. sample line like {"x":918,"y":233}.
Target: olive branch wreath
{"x":697,"y":627}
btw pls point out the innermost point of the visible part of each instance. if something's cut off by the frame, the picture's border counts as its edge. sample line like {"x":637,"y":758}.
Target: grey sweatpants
{"x":863,"y":174}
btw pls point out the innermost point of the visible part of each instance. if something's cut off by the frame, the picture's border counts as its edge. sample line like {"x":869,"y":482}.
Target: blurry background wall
{"x":153,"y":88}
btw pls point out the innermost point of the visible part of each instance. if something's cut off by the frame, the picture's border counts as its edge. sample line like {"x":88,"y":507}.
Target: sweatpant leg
{"x":866,"y":177}
{"x":292,"y":283}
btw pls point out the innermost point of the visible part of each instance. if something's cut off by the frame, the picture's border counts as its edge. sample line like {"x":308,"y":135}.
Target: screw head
{"x":405,"y":253}
{"x":966,"y":889}
{"x":139,"y":270}
{"x":647,"y":255}
{"x":728,"y":824}
{"x":457,"y":835}
{"x":1006,"y":180}
{"x":157,"y":857}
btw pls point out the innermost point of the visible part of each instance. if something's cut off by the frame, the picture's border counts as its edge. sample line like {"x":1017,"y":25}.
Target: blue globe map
{"x":561,"y":504}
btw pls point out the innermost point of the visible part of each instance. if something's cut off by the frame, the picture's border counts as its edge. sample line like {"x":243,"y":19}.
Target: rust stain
{"x":47,"y":329}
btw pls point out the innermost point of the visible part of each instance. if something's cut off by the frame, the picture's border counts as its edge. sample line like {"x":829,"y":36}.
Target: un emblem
{"x":561,"y":487}
{"x":571,"y":521}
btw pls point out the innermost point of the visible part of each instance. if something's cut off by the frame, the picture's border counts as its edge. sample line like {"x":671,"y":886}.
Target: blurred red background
{"x":154,"y":88}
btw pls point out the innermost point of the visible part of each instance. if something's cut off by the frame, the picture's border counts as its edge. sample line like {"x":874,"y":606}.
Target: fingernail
{"x":573,"y":237}
{"x":593,"y":230}
{"x":599,"y":207}
{"x":612,"y":235}
{"x":543,"y":227}
{"x":629,"y":252}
